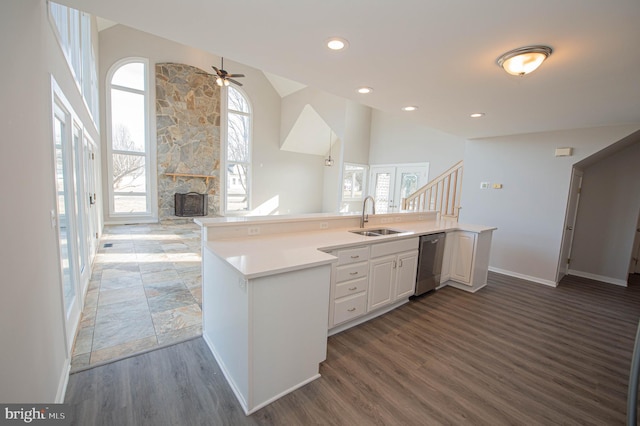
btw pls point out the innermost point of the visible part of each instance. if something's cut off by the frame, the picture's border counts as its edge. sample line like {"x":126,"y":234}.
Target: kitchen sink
{"x":376,"y":232}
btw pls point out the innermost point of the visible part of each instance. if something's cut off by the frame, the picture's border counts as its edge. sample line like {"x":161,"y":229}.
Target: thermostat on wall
{"x":563,"y":152}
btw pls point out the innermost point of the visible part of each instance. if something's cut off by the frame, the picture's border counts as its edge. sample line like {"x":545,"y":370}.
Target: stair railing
{"x":441,"y":194}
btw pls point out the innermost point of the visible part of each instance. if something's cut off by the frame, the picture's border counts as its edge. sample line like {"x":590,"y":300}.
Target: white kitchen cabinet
{"x":382,"y":272}
{"x":268,"y":334}
{"x":462,"y":259}
{"x":349,"y":285}
{"x":466,"y":260}
{"x":406,"y":274}
{"x":392,"y":275}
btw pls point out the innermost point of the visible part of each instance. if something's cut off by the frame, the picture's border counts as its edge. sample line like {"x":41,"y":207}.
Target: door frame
{"x":568,"y":230}
{"x":634,"y":264}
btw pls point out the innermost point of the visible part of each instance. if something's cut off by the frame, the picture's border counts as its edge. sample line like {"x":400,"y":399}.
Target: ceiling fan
{"x":223,"y":77}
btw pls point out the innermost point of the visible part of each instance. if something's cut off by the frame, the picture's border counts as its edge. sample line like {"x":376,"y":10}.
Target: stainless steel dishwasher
{"x":429,"y":262}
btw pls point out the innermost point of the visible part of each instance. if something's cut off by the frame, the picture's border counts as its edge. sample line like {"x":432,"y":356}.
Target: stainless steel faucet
{"x":364,"y":219}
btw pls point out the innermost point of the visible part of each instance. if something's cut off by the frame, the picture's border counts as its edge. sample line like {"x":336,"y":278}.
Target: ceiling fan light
{"x":524,"y":60}
{"x":219,"y":82}
{"x":225,"y":82}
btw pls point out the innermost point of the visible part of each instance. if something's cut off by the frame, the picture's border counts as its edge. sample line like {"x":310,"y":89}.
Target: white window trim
{"x":365,"y":181}
{"x":151,"y":215}
{"x":224,"y":109}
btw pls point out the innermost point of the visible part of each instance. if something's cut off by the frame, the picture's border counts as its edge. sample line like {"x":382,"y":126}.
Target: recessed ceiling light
{"x":365,"y":90}
{"x":477,"y":115}
{"x":337,"y":43}
{"x":410,"y":108}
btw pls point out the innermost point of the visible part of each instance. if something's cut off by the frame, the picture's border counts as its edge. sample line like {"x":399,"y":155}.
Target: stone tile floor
{"x":145,"y":292}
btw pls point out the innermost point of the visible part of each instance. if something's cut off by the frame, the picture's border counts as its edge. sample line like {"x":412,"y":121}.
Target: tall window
{"x":129,"y":148}
{"x":238,"y":152}
{"x":73,"y":31}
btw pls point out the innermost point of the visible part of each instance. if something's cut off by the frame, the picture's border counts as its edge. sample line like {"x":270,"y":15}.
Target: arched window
{"x":238,"y":152}
{"x":128,"y":145}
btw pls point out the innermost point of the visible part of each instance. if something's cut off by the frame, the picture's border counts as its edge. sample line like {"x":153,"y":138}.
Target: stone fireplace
{"x":188,"y":144}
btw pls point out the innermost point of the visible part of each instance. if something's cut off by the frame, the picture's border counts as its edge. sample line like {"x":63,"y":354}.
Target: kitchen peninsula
{"x":275,"y":287}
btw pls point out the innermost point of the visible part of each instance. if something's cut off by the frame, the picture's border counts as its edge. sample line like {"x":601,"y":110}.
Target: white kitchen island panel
{"x":268,"y":334}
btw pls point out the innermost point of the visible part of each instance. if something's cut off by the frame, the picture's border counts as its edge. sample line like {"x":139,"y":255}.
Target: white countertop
{"x":259,"y":256}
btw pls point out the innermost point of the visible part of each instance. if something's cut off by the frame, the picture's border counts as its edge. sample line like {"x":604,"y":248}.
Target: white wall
{"x":34,"y":361}
{"x":396,"y":139}
{"x":294,"y":180}
{"x":607,"y":216}
{"x":529,"y":211}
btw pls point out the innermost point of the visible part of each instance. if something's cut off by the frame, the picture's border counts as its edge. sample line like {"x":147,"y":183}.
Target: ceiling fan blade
{"x":234,"y":81}
{"x":235,"y":75}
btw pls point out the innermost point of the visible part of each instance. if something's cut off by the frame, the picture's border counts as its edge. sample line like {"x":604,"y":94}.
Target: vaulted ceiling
{"x":438,"y":55}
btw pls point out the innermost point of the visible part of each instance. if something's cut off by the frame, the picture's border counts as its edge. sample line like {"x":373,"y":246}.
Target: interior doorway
{"x":570,"y":223}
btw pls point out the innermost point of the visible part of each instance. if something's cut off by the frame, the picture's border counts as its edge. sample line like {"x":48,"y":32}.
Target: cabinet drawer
{"x":357,"y":254}
{"x":351,"y":287}
{"x":394,"y":247}
{"x":351,"y":272}
{"x":349,"y":307}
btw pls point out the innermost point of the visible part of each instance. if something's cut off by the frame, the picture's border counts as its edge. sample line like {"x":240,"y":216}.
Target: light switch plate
{"x":484,"y":185}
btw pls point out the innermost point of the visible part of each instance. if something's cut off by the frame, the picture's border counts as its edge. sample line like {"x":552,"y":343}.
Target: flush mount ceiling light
{"x":524,"y":60}
{"x":410,"y":108}
{"x":365,"y":90}
{"x":337,"y":43}
{"x":477,"y":115}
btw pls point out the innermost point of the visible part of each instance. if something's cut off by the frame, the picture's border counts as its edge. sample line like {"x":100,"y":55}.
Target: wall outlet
{"x":324,"y":225}
{"x":254,"y":230}
{"x":497,"y":186}
{"x":385,"y":220}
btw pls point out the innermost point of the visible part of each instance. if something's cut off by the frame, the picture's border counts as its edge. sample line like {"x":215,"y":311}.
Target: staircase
{"x":442,"y":194}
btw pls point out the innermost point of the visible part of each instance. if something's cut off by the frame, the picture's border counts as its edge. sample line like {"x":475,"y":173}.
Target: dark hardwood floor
{"x":515,"y":353}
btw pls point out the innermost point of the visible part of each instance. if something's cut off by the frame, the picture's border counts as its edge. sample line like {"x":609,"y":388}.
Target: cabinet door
{"x":462,"y":261}
{"x":445,"y":274}
{"x":406,"y":274}
{"x":381,"y":275}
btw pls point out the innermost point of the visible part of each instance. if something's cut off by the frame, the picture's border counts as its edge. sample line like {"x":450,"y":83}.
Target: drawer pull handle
{"x":355,"y":257}
{"x":353,"y":273}
{"x":353,"y":288}
{"x":351,"y":309}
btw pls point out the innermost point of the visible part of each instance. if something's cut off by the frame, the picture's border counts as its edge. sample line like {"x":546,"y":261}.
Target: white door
{"x":91,"y":197}
{"x":391,"y":183}
{"x":65,"y":215}
{"x":570,"y":222}
{"x":409,"y":178}
{"x":383,"y":186}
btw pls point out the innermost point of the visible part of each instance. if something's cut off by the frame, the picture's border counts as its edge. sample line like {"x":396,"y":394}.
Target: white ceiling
{"x":439,"y":55}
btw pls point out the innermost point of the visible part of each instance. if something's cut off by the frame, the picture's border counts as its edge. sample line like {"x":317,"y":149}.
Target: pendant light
{"x":329,"y":161}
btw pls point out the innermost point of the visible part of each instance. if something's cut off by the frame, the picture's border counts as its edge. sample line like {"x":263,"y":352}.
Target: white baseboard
{"x":524,"y":277}
{"x":596,"y":277}
{"x":63,"y":382}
